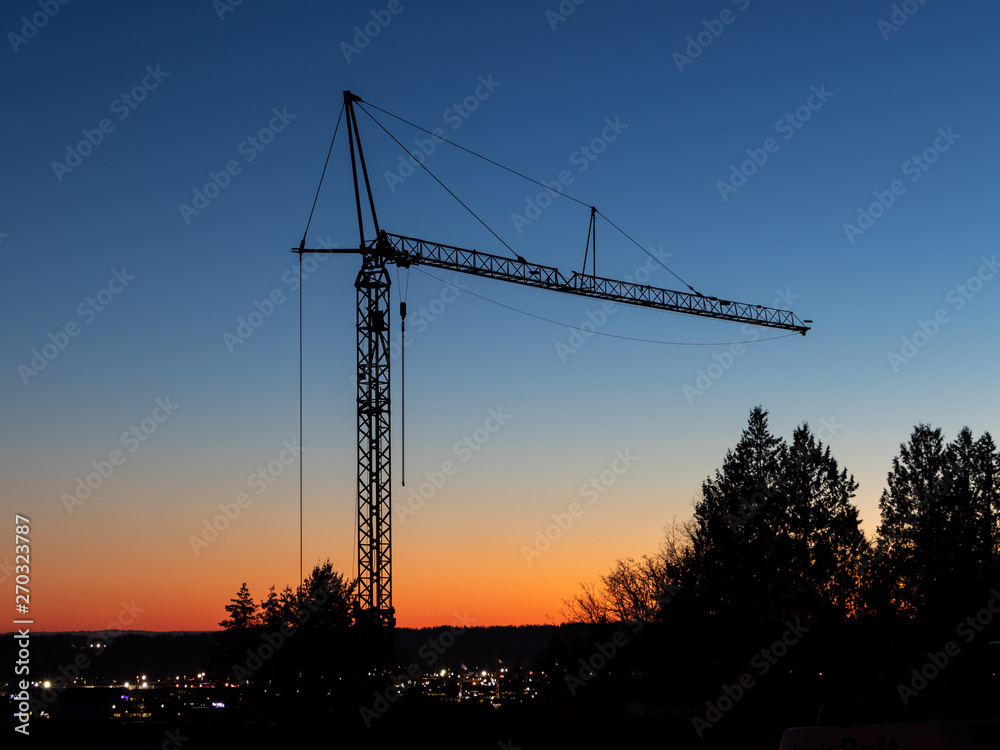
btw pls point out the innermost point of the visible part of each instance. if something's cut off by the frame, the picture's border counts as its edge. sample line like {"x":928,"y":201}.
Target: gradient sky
{"x":211,"y":76}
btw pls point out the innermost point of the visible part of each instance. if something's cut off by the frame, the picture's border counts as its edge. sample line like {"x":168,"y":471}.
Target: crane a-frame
{"x":374,"y":602}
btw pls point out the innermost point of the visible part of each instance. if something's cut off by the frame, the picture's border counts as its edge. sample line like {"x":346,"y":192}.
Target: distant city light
{"x":46,"y":684}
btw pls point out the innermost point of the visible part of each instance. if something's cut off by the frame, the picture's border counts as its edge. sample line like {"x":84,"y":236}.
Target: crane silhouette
{"x":374,"y":593}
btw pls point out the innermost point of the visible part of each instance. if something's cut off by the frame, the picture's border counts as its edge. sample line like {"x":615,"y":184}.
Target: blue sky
{"x":820,"y":111}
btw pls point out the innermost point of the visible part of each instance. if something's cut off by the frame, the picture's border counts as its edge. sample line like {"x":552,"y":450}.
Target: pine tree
{"x":775,"y":532}
{"x":731,"y":568}
{"x":938,"y":538}
{"x":824,"y":528}
{"x":243,"y":615}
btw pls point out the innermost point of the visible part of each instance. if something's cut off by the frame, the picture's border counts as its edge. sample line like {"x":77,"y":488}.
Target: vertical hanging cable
{"x":302,"y":246}
{"x":402,"y":363}
{"x":300,"y":417}
{"x":402,"y":375}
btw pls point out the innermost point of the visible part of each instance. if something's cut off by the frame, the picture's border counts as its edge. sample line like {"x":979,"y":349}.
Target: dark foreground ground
{"x":585,"y":724}
{"x":434,"y":724}
{"x":651,"y":690}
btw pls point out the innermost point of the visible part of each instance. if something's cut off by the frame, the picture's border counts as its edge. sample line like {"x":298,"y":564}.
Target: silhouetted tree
{"x":634,"y":590}
{"x":242,"y":611}
{"x":972,"y":476}
{"x":278,"y":609}
{"x":590,"y":607}
{"x":915,"y":484}
{"x":775,"y":536}
{"x":324,"y":599}
{"x":325,"y":645}
{"x":824,"y":529}
{"x":937,"y":541}
{"x":295,"y":643}
{"x":775,"y":532}
{"x":239,"y":631}
{"x":734,"y":567}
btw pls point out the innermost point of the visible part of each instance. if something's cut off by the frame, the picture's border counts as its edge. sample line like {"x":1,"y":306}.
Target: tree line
{"x":774,"y":547}
{"x":775,"y":538}
{"x":296,"y":645}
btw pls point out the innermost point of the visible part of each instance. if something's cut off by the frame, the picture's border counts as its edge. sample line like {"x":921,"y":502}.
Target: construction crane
{"x":374,"y":603}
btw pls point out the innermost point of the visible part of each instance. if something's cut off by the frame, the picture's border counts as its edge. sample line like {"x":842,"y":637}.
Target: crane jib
{"x":407,"y":251}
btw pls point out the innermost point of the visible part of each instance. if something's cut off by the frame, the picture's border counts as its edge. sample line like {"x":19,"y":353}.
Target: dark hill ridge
{"x":160,"y":655}
{"x":105,"y":656}
{"x":474,"y":646}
